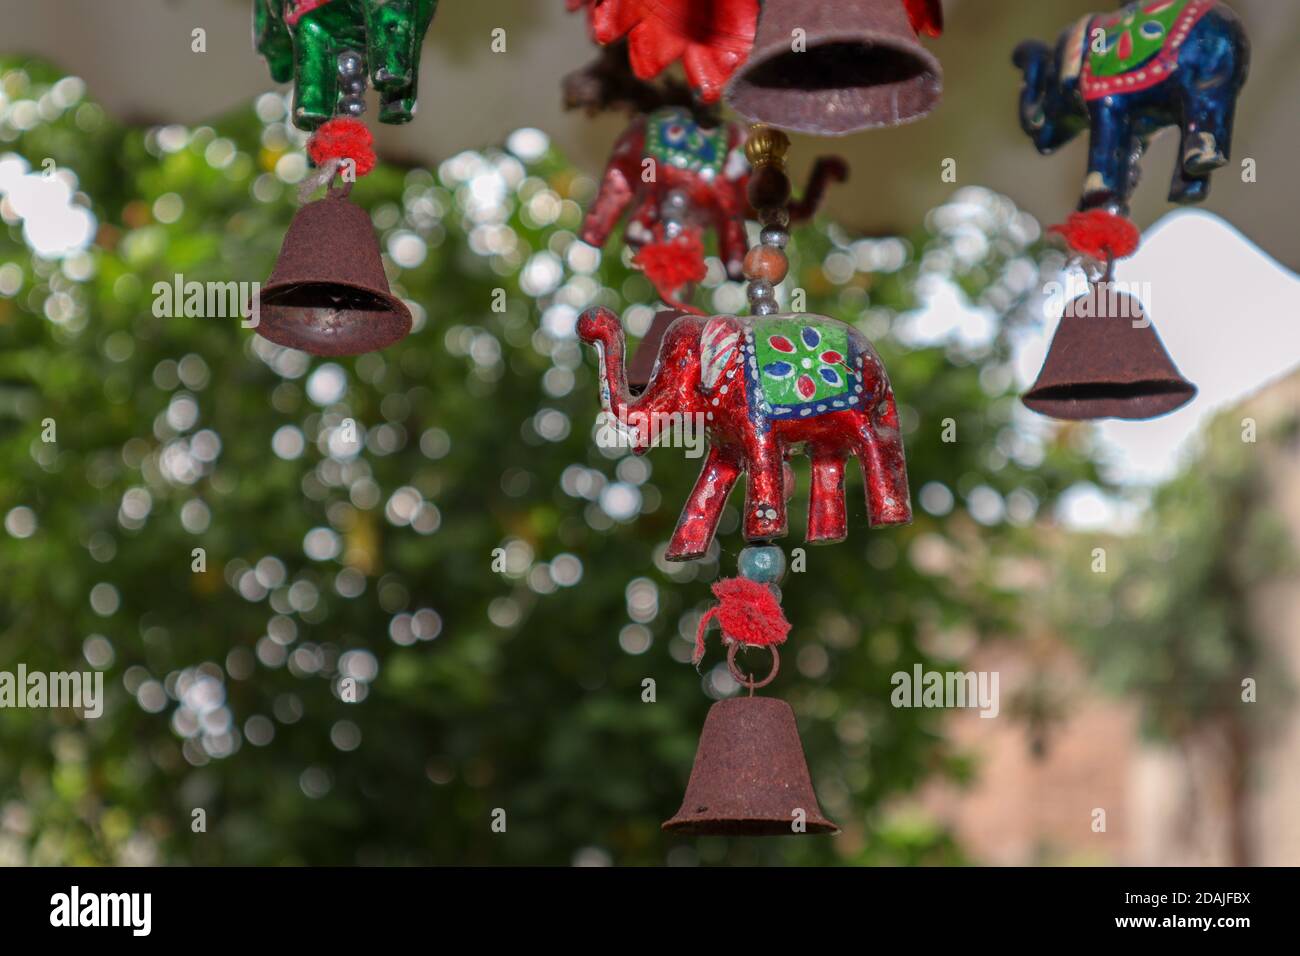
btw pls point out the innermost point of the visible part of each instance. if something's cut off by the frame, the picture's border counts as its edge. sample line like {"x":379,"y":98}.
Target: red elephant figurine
{"x":758,"y":387}
{"x":680,"y":176}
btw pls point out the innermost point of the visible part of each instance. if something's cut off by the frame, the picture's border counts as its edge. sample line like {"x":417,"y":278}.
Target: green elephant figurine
{"x":325,"y":46}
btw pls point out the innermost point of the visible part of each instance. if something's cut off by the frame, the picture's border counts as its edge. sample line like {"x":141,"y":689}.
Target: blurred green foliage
{"x":475,"y":690}
{"x":1173,"y":621}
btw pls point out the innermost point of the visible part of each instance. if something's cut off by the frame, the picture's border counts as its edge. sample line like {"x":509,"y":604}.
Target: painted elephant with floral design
{"x":675,"y":177}
{"x":763,"y":387}
{"x":325,"y":46}
{"x":1129,"y":74}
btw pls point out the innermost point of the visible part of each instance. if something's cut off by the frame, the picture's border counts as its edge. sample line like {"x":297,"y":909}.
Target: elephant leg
{"x":272,"y":40}
{"x":316,"y":91}
{"x":388,"y":43}
{"x":617,"y":188}
{"x":884,"y":471}
{"x":1185,"y":187}
{"x":1110,"y":158}
{"x":397,"y":108}
{"x":764,"y":488}
{"x":827,"y":519}
{"x":394,"y":36}
{"x":699,"y":521}
{"x":1207,"y":135}
{"x":733,"y":241}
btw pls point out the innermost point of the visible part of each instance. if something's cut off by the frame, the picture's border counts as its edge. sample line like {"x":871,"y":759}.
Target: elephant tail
{"x":826,"y":169}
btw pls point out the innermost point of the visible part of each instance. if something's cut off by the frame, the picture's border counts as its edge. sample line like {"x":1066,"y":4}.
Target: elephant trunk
{"x":1032,"y":58}
{"x":601,"y":328}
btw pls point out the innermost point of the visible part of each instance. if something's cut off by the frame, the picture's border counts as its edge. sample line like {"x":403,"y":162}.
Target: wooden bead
{"x":765,"y":262}
{"x":768,"y":187}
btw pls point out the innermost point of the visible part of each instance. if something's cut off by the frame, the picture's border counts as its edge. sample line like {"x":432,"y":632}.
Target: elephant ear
{"x":719,"y":345}
{"x":1074,"y":51}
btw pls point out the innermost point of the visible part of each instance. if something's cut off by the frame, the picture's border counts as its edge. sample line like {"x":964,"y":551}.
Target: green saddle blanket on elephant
{"x":673,"y":136}
{"x":1139,"y":46}
{"x":803,"y":367}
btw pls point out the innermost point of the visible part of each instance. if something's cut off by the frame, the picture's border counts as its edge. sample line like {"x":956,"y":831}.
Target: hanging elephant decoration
{"x":674,"y":177}
{"x":328,"y":293}
{"x":761,"y":387}
{"x":1125,"y":76}
{"x":330,"y":49}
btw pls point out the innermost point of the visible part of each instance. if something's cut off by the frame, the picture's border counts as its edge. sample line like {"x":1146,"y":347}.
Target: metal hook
{"x":744,"y":680}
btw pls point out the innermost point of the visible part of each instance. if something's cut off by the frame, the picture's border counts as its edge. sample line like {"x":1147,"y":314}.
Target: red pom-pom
{"x":343,"y":138}
{"x":1099,"y":234}
{"x":748,"y":612}
{"x":672,"y":264}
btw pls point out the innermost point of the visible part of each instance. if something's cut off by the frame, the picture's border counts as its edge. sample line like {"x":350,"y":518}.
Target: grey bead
{"x":355,"y":85}
{"x":352,"y":105}
{"x":676,"y":199}
{"x":774,"y":216}
{"x":350,"y":62}
{"x":774,"y":236}
{"x":763,"y":307}
{"x":760,"y":290}
{"x":672,"y":228}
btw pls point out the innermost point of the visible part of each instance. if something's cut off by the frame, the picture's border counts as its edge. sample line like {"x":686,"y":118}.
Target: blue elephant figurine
{"x":1129,"y":74}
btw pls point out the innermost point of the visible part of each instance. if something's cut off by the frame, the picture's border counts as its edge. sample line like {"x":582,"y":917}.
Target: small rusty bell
{"x":328,"y":294}
{"x":860,"y":66}
{"x":1106,"y":361}
{"x":750,"y":777}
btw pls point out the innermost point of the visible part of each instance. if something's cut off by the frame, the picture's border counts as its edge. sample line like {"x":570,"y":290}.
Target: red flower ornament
{"x":710,"y":39}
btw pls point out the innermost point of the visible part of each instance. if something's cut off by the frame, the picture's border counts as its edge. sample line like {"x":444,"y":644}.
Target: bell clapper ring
{"x":743,"y":679}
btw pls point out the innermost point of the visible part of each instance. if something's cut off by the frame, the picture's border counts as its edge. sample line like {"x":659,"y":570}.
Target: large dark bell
{"x":328,"y":294}
{"x":642,"y":364}
{"x":750,"y":777}
{"x":1106,"y":361}
{"x":862,"y":67}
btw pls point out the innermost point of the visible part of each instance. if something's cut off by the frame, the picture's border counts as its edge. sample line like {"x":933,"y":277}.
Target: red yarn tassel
{"x":1099,"y":234}
{"x":747,"y":612}
{"x":343,"y":138}
{"x":673,"y":263}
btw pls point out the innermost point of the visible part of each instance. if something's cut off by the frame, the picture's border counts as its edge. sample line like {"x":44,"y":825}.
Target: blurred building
{"x":1062,"y":749}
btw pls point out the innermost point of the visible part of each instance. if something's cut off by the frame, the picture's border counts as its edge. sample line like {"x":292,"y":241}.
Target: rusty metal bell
{"x":750,"y":777}
{"x":328,"y":294}
{"x":862,"y":66}
{"x":1106,"y":361}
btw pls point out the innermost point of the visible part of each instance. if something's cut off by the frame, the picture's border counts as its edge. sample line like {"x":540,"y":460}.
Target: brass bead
{"x":766,"y":146}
